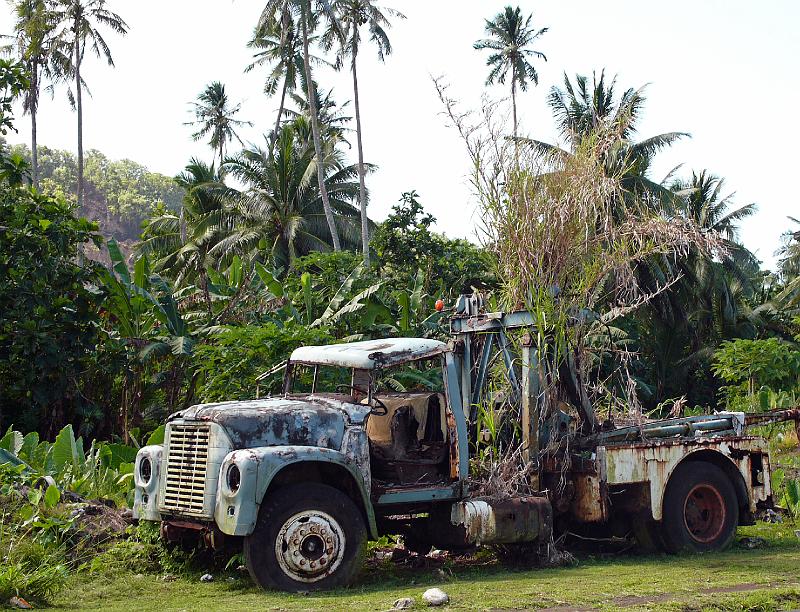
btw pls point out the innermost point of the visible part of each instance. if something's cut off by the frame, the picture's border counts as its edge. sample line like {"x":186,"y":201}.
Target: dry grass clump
{"x":567,"y":233}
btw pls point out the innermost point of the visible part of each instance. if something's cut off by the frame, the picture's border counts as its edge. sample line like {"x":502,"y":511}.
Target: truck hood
{"x":280,"y":421}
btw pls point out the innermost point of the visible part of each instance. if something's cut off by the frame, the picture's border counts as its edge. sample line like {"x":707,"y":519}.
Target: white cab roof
{"x":370,"y":354}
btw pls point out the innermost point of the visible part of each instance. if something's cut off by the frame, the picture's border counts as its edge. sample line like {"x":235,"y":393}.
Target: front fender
{"x":237,"y":511}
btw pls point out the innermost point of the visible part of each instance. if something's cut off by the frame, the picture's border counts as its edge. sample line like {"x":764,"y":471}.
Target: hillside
{"x":120,"y":194}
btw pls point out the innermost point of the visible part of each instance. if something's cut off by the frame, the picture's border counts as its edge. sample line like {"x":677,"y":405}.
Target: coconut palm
{"x":580,"y":109}
{"x":511,"y":36}
{"x":79,"y":26}
{"x":281,"y":50}
{"x":280,"y":210}
{"x":712,"y":297}
{"x":33,"y":31}
{"x":353,"y":14}
{"x":332,"y":119}
{"x":789,"y":268}
{"x":215,"y":116}
{"x":181,"y":243}
{"x":280,"y":15}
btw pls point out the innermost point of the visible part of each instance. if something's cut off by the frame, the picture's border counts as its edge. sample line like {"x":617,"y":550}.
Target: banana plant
{"x":142,"y":314}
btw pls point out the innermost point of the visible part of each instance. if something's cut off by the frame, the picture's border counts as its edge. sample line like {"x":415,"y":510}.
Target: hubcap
{"x":704,"y":513}
{"x":310,"y":546}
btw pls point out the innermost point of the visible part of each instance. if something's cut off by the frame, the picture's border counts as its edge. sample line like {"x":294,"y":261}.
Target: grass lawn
{"x":766,"y":578}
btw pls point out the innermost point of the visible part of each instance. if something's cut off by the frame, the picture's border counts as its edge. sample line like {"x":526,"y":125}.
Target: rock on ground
{"x":435,"y":597}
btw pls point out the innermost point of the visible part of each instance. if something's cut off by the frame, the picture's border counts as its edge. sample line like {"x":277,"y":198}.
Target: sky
{"x":723,"y":70}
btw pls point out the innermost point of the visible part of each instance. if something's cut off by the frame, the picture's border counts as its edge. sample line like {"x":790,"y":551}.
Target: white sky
{"x":723,"y":70}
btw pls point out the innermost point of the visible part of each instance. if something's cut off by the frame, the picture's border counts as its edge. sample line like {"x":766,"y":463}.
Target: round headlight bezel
{"x":233,"y":478}
{"x":145,"y":470}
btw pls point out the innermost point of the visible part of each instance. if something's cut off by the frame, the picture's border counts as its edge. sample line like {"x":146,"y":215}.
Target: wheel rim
{"x":704,"y":513}
{"x":310,"y":545}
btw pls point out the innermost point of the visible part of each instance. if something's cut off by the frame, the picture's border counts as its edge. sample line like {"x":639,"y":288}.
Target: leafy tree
{"x":279,"y":14}
{"x":228,"y":365}
{"x":405,"y":244}
{"x":13,"y":82}
{"x":353,"y":15}
{"x":80,"y":23}
{"x":48,"y":309}
{"x":511,"y":36}
{"x":280,"y":211}
{"x":120,"y":194}
{"x":33,"y":31}
{"x":215,"y":116}
{"x":756,"y":369}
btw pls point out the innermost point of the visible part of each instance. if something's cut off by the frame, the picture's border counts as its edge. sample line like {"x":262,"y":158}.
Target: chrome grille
{"x":187,"y":462}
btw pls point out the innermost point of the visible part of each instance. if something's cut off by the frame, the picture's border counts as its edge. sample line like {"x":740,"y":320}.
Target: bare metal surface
{"x":369,"y":354}
{"x":503,"y":521}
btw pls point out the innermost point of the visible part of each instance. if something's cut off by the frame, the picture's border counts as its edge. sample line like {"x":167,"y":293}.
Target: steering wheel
{"x":379,"y":409}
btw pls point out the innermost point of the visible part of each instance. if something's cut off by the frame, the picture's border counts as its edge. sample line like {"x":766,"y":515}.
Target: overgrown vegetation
{"x":640,"y":288}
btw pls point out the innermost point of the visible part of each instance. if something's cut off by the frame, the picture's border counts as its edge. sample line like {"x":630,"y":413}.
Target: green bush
{"x":227,"y":366}
{"x":761,"y":374}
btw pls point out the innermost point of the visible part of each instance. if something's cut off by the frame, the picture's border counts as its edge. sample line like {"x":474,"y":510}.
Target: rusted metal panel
{"x":653,"y":462}
{"x":503,"y":521}
{"x":590,"y":499}
{"x":370,"y":354}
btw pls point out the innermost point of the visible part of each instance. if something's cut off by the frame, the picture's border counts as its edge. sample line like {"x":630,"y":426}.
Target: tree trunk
{"x":362,"y":190}
{"x":514,"y":102}
{"x":34,"y":102}
{"x":312,"y":104}
{"x":79,"y":103}
{"x":280,"y":110}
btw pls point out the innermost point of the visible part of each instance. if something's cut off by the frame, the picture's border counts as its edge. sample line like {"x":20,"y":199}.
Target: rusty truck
{"x":375,"y":437}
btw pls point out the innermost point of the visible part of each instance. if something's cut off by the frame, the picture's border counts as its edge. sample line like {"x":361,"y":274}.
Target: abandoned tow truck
{"x":305,"y":478}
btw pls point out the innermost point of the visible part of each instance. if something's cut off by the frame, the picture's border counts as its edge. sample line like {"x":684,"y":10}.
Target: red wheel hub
{"x":704,"y":513}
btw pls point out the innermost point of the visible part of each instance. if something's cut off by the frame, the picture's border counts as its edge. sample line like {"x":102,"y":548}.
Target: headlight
{"x":145,"y":470}
{"x":233,"y":478}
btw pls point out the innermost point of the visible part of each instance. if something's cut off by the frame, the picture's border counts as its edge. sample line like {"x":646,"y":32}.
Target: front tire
{"x":307,"y":537}
{"x":700,"y":511}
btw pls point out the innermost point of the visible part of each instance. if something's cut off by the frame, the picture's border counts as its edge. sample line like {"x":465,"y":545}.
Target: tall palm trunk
{"x":312,"y":103}
{"x":79,"y":103}
{"x":280,"y":110}
{"x":34,"y":102}
{"x":514,"y":100}
{"x":362,"y":191}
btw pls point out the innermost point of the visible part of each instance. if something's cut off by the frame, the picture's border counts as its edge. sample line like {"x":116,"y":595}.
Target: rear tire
{"x":701,"y":511}
{"x":308,"y":537}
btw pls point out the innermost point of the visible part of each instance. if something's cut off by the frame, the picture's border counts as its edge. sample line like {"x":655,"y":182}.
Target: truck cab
{"x":359,"y":428}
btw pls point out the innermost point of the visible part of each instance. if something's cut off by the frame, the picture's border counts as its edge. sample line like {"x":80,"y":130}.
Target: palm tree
{"x":353,"y":14}
{"x":331,"y":117}
{"x":280,"y":14}
{"x":282,"y":49}
{"x":214,"y":114}
{"x":80,"y":22}
{"x":789,"y":268}
{"x":511,"y":37}
{"x":181,"y":243}
{"x":712,"y":297}
{"x":32,"y":40}
{"x":281,"y":208}
{"x":579,"y":110}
